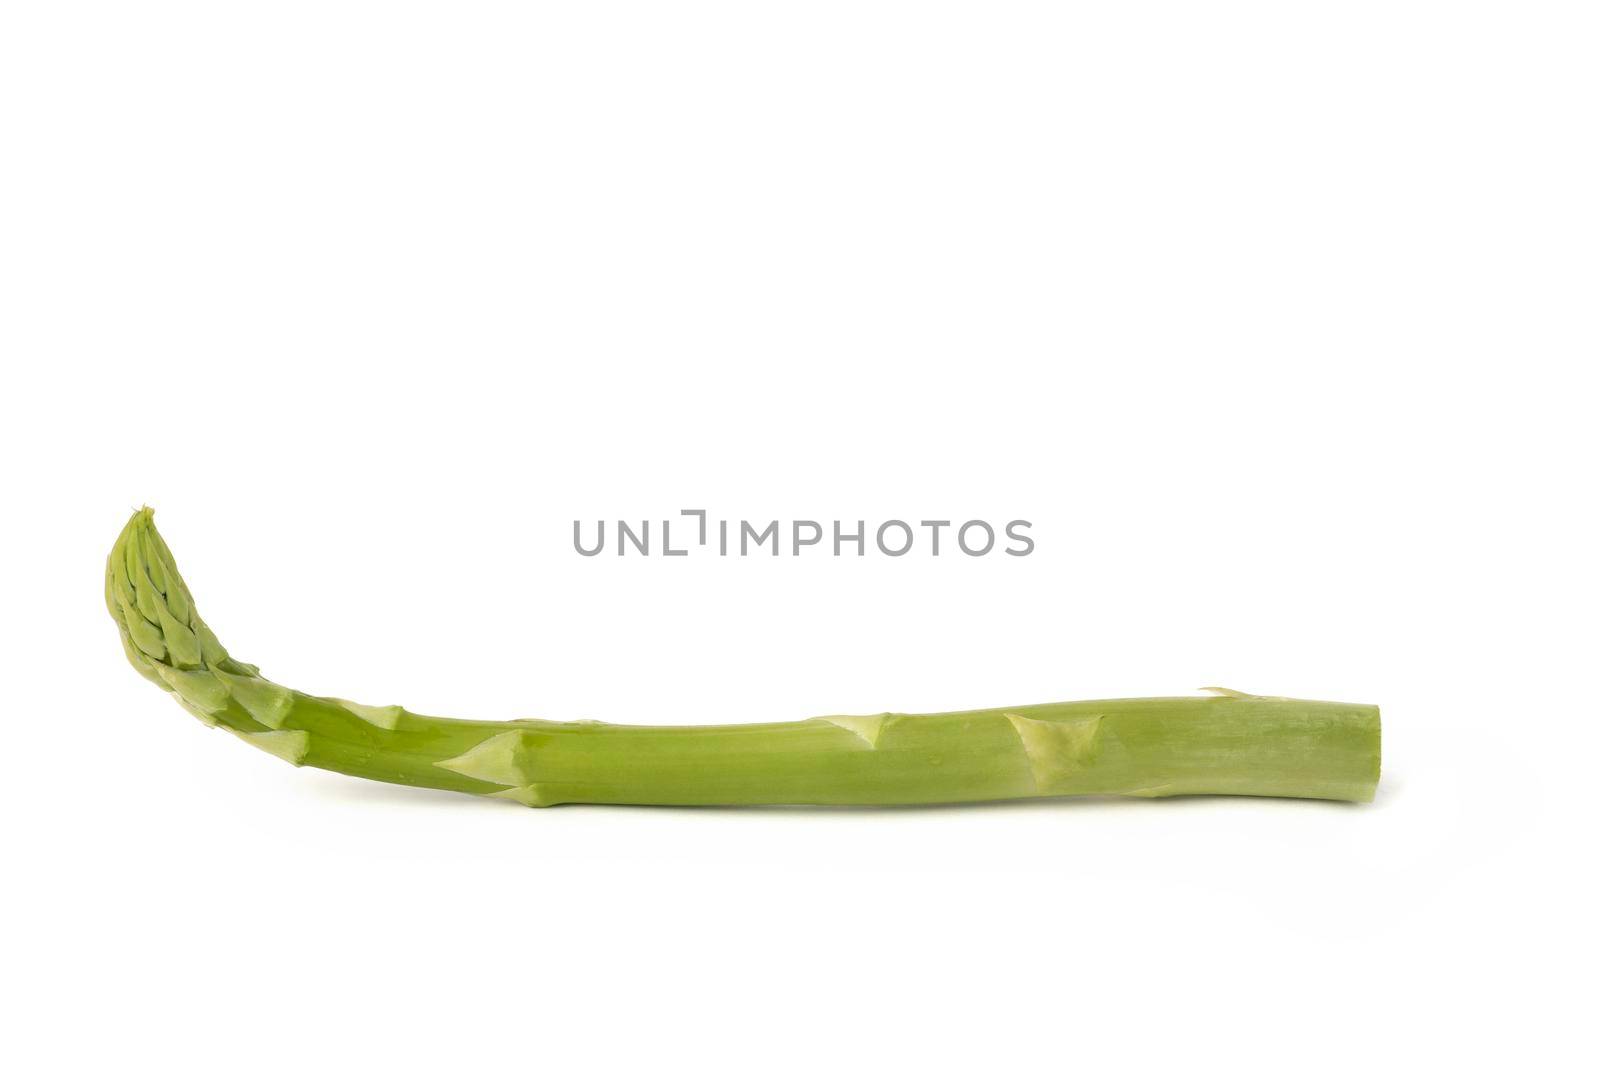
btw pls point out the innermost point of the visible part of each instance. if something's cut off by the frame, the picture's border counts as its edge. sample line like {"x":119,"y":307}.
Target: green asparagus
{"x":1225,"y":742}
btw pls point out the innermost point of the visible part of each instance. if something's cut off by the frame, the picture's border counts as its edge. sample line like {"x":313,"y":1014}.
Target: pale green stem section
{"x":1227,"y":742}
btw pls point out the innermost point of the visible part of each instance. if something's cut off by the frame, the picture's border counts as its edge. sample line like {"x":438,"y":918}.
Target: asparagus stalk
{"x":1226,"y":742}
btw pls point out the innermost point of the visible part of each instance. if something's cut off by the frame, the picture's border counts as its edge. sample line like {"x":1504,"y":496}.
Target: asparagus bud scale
{"x":1226,"y":742}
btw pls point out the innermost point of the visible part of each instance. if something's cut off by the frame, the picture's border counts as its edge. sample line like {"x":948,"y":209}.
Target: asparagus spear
{"x":1226,"y":742}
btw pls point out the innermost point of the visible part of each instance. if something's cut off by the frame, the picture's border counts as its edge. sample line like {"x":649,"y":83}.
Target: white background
{"x":1276,"y":320}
